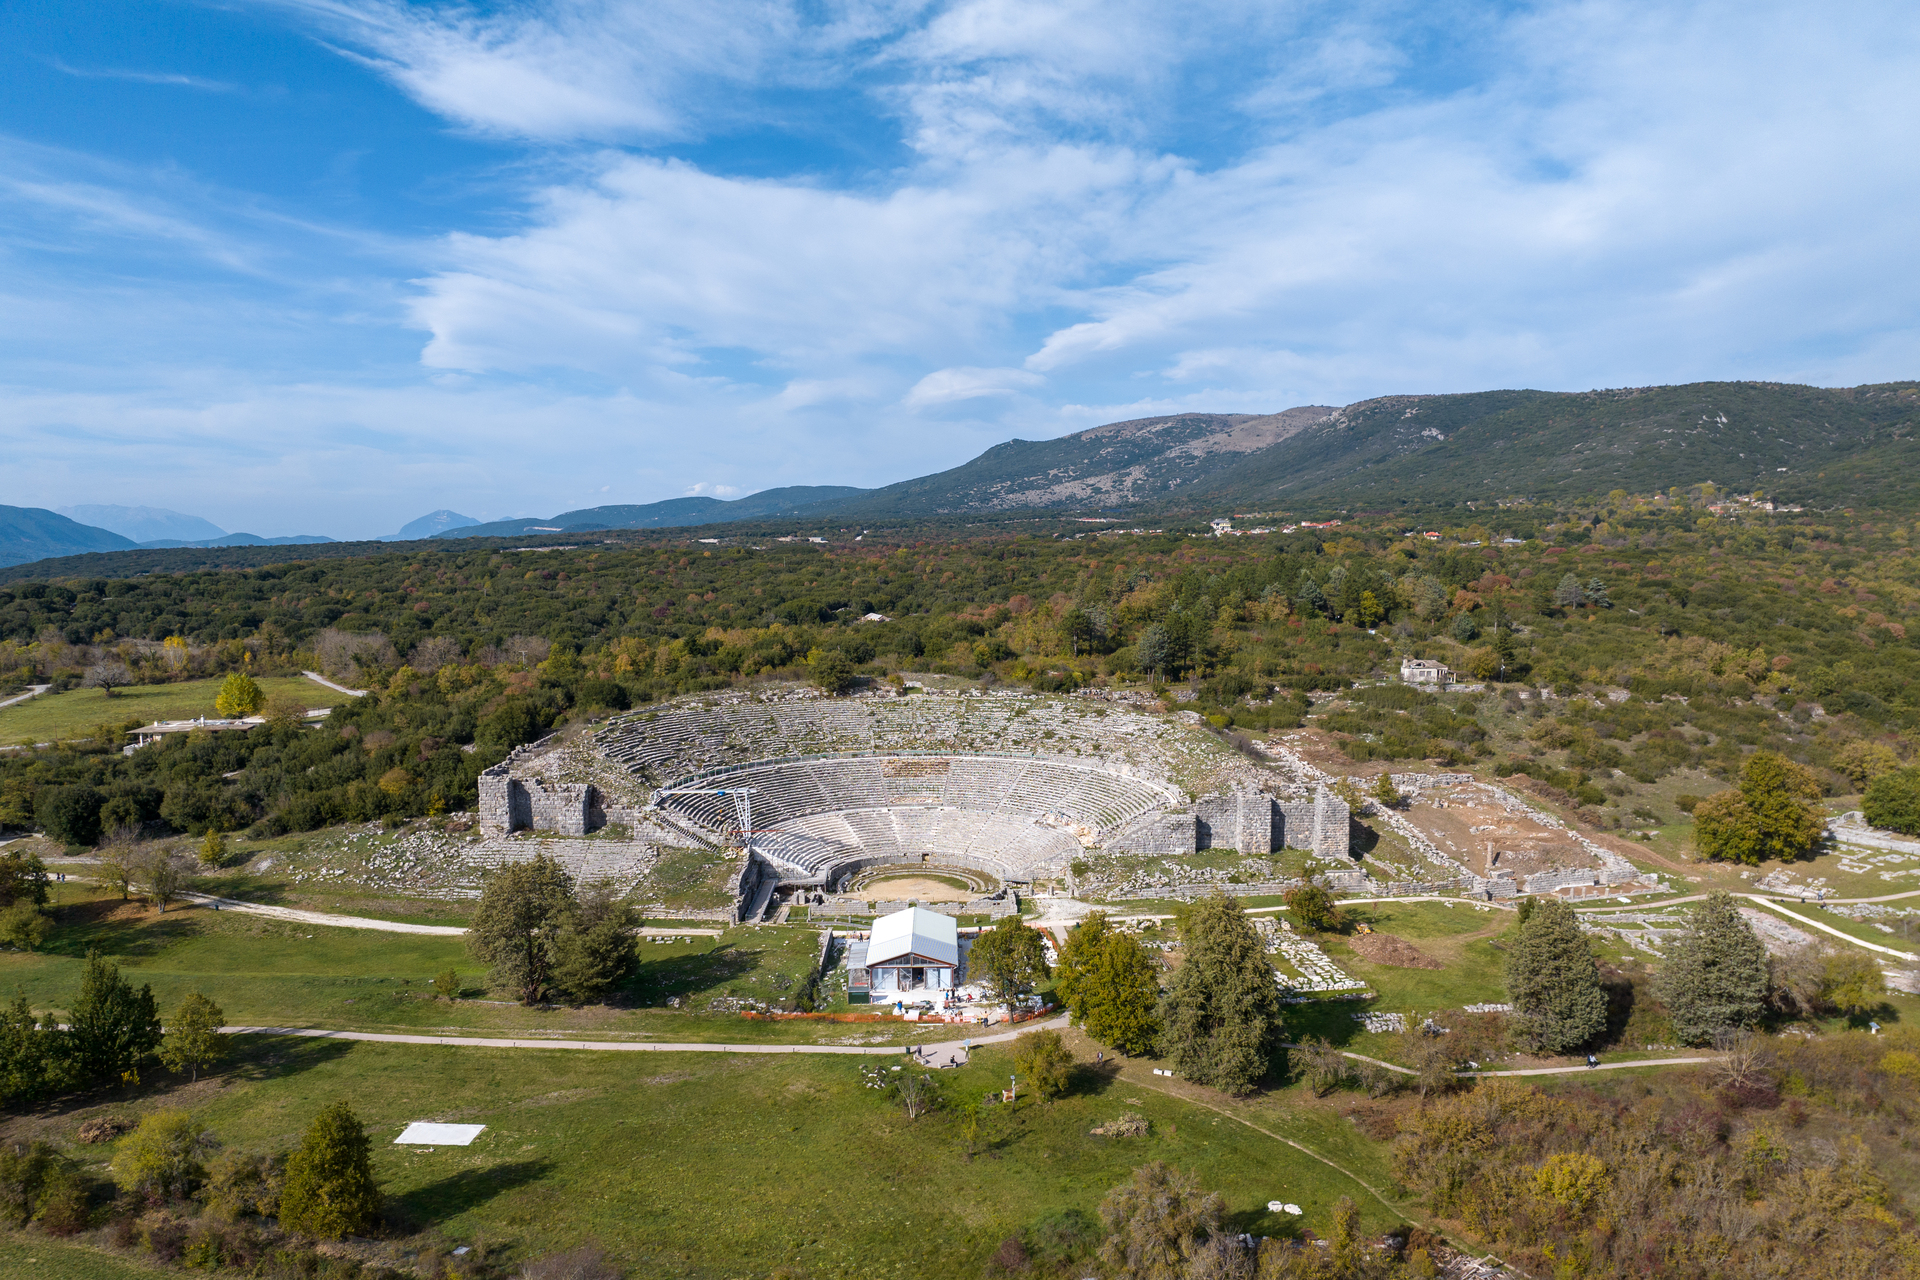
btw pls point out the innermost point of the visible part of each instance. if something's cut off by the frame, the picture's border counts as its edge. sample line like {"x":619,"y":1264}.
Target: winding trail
{"x":33,"y":691}
{"x":941,"y":1049}
{"x":317,"y":678}
{"x":1771,"y":902}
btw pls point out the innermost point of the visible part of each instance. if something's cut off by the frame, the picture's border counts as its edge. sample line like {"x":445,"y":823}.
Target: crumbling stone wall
{"x":1241,"y":821}
{"x":509,"y":804}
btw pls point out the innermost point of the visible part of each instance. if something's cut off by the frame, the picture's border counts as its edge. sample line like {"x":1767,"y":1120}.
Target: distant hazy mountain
{"x":240,"y":540}
{"x":34,"y":533}
{"x":673,"y":513}
{"x":429,"y":526}
{"x":145,"y":524}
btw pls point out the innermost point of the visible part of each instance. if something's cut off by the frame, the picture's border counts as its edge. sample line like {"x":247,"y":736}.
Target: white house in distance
{"x":910,"y":951}
{"x":1425,"y":671}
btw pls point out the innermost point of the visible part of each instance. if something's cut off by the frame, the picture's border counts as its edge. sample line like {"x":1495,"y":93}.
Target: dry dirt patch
{"x":1384,"y":948}
{"x":917,"y":889}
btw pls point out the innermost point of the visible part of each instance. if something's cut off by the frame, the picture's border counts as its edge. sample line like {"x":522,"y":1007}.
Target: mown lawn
{"x":76,"y":713}
{"x":701,"y":1165}
{"x":1460,"y":937}
{"x":265,"y":972}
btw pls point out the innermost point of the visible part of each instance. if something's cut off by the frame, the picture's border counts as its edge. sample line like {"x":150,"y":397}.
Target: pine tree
{"x":111,"y":1028}
{"x":1567,"y":594}
{"x":594,"y":952}
{"x":1310,"y":598}
{"x":29,"y":1068}
{"x":330,"y":1190}
{"x":1554,"y":981}
{"x":1221,"y":1012}
{"x":1715,"y":976}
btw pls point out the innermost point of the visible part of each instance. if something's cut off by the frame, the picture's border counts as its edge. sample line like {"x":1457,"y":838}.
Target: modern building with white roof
{"x":909,"y":951}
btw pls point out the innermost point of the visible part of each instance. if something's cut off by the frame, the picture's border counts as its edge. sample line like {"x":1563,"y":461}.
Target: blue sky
{"x":325,"y":265}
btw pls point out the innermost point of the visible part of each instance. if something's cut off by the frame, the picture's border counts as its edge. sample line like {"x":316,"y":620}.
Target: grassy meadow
{"x":55,"y":717}
{"x":701,"y":1165}
{"x":267,"y":972}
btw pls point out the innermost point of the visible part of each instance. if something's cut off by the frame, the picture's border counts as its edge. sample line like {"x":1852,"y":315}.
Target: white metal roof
{"x":915,"y":931}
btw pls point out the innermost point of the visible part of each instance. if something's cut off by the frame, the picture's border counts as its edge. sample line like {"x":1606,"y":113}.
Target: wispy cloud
{"x":171,"y":78}
{"x":1059,"y":213}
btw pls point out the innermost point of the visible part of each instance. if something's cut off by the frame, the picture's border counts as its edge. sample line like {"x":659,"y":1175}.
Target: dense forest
{"x":1681,"y":630}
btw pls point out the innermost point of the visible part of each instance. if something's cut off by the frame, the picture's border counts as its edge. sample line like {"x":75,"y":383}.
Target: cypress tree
{"x":1221,"y":1012}
{"x":1715,"y":976}
{"x":330,"y":1190}
{"x":112,"y":1028}
{"x":1076,"y":956}
{"x":1554,"y":981}
{"x":1125,"y":986}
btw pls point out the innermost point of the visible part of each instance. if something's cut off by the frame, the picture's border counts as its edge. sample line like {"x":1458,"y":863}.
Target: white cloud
{"x":575,"y":69}
{"x":706,"y":490}
{"x":946,"y":386}
{"x":1054,"y":212}
{"x":168,"y":78}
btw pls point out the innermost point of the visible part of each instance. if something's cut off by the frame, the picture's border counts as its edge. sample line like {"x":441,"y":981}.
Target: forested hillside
{"x":1812,"y":445}
{"x":1733,"y":630}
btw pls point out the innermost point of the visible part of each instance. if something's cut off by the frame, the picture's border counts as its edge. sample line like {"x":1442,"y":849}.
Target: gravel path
{"x":33,"y":691}
{"x":944,"y":1049}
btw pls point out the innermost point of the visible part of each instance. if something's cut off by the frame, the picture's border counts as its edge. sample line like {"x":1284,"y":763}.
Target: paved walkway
{"x":297,"y":916}
{"x":33,"y":691}
{"x":317,"y":678}
{"x":941,"y":1050}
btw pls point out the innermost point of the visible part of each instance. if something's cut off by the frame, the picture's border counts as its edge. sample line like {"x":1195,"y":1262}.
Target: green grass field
{"x":265,"y":972}
{"x":1459,"y":937}
{"x":76,"y":713}
{"x":46,"y":1259}
{"x":701,"y":1165}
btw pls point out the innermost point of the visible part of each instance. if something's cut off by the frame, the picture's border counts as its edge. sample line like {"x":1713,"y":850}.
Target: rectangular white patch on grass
{"x":439,"y":1135}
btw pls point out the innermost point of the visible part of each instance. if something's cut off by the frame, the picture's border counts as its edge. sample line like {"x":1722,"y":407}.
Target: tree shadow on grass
{"x":686,"y":975}
{"x":243,"y":888}
{"x":252,"y":1058}
{"x":268,"y":1057}
{"x":115,"y":928}
{"x":1092,"y":1079}
{"x":467,"y":1189}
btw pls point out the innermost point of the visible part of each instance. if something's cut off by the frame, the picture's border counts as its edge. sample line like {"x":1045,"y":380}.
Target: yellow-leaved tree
{"x":240,"y":695}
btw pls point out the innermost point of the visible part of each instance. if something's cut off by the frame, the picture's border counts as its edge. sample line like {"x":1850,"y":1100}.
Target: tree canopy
{"x":1715,"y":974}
{"x":1766,"y":817}
{"x":1221,"y":1012}
{"x":330,"y":1189}
{"x":1010,"y":957}
{"x":1554,"y":980}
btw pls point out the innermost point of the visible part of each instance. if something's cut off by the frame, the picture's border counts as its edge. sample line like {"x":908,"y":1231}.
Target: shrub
{"x":1043,"y":1058}
{"x":1893,"y":800}
{"x":330,"y":1190}
{"x":163,"y":1157}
